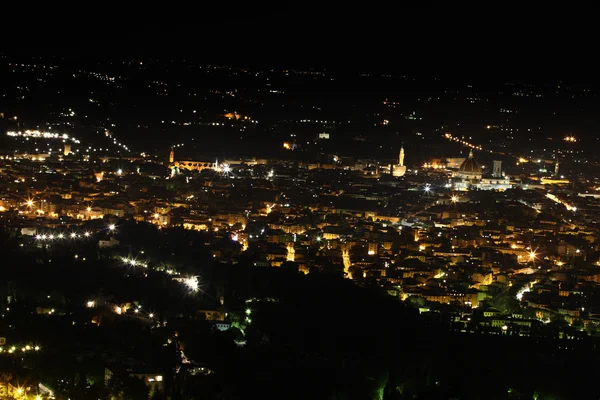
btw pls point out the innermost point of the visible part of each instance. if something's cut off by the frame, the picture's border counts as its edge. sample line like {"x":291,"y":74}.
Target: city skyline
{"x":292,"y":225}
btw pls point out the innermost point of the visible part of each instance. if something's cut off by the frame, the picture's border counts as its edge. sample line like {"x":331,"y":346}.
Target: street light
{"x":111,"y":227}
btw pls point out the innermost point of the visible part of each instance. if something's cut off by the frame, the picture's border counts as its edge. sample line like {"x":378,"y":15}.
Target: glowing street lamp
{"x":532,"y":255}
{"x":454,"y":198}
{"x":192,"y":283}
{"x":112,"y":227}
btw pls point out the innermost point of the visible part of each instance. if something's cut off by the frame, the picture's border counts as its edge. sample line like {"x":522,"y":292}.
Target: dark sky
{"x":479,"y":43}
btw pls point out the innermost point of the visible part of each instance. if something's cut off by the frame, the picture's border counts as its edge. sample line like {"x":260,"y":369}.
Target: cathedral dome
{"x":470,"y":166}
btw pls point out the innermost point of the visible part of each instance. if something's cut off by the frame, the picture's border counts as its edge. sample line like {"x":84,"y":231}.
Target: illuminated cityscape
{"x":179,"y":229}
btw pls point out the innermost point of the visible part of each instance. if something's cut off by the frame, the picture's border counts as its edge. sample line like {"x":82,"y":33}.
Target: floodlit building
{"x":470,"y":176}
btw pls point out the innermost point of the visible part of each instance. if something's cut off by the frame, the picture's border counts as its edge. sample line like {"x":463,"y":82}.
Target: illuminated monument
{"x":399,"y":169}
{"x":470,"y":176}
{"x":470,"y":170}
{"x":191,"y":165}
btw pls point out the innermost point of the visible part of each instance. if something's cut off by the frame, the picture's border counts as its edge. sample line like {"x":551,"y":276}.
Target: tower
{"x":556,"y":168}
{"x":399,"y":170}
{"x":67,"y":149}
{"x":497,"y":169}
{"x":172,"y":155}
{"x":401,"y":157}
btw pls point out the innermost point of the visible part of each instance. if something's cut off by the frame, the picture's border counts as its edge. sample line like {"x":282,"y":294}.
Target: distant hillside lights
{"x":42,"y":135}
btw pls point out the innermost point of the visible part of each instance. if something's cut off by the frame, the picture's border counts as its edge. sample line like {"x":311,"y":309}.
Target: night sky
{"x":495,"y":44}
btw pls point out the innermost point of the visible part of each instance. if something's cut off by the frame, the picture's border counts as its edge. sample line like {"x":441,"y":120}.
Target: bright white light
{"x":151,"y":315}
{"x":111,"y":227}
{"x":119,"y":171}
{"x":226,"y":168}
{"x":192,"y":283}
{"x":86,"y":234}
{"x":90,"y":304}
{"x":60,"y":236}
{"x":427,"y":189}
{"x":526,"y":289}
{"x":73,"y":235}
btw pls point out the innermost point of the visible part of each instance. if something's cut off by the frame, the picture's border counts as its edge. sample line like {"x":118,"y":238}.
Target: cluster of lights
{"x":463,"y":142}
{"x":120,"y":144}
{"x":60,"y":236}
{"x":71,"y":235}
{"x":571,"y":139}
{"x":42,"y":135}
{"x":568,"y":206}
{"x":433,"y":166}
{"x":525,"y":289}
{"x":133,"y":262}
{"x":15,"y":349}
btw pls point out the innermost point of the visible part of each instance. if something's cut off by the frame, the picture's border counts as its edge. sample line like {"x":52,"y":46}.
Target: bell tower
{"x":401,"y":157}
